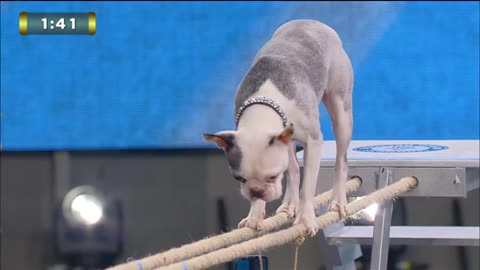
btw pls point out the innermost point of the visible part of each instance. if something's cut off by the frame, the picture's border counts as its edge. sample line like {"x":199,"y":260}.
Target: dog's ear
{"x":287,"y":135}
{"x":223,"y":139}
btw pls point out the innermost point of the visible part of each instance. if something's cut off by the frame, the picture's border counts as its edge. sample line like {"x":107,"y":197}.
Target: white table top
{"x":405,"y":153}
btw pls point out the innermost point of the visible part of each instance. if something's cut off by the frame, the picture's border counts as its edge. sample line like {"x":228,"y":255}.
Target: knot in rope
{"x":299,"y":241}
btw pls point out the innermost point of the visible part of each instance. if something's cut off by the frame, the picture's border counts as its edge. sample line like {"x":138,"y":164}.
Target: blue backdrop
{"x":159,"y":74}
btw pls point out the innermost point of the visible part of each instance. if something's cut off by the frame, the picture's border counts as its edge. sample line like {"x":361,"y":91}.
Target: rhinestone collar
{"x":265,"y":101}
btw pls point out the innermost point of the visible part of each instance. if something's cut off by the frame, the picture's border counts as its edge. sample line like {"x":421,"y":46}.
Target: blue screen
{"x":160,"y":74}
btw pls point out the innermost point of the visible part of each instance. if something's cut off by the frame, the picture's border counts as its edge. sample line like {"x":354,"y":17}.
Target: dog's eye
{"x":240,"y":179}
{"x":272,"y":178}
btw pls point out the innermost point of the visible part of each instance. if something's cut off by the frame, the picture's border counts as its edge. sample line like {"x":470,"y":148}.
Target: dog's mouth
{"x":270,"y":193}
{"x":263,"y":198}
{"x":267,"y":196}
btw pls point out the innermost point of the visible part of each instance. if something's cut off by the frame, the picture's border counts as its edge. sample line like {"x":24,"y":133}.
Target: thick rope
{"x":288,"y":235}
{"x":223,"y":240}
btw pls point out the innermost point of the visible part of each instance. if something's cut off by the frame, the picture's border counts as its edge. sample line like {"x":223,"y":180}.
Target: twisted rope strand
{"x":223,"y":240}
{"x":288,"y":235}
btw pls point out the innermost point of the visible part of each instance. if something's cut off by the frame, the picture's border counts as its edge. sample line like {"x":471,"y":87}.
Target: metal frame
{"x":409,"y":235}
{"x":341,"y":257}
{"x":341,"y":244}
{"x":381,"y":231}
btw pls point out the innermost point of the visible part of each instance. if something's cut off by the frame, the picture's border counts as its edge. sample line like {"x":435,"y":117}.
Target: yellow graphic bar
{"x":92,"y":23}
{"x":22,"y":23}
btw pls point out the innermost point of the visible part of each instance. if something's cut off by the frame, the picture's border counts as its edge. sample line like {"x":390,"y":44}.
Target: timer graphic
{"x":57,"y":23}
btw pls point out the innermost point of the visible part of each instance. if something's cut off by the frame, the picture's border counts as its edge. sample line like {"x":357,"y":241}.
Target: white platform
{"x":405,"y":153}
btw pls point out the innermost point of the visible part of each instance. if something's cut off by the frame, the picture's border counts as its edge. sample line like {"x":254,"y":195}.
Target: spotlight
{"x":88,"y":208}
{"x":83,"y":204}
{"x":89,"y":228}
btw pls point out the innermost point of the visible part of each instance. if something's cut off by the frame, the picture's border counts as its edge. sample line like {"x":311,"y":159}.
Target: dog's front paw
{"x":255,"y":217}
{"x":290,"y":207}
{"x":339,"y":204}
{"x":255,"y":223}
{"x":306,"y":216}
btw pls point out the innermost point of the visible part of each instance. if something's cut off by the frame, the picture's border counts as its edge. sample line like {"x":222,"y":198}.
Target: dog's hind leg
{"x":338,"y":101}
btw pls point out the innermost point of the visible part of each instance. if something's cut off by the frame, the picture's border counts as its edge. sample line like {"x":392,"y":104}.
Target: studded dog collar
{"x":265,"y":101}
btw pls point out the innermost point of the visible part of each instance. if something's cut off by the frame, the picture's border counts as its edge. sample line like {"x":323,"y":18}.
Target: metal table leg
{"x":337,"y":257}
{"x":381,"y":231}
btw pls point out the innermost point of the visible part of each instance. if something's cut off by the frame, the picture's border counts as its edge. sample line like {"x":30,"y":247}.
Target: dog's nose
{"x":256,"y":193}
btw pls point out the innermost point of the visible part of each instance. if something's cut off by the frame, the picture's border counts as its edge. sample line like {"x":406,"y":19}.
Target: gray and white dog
{"x":276,"y":104}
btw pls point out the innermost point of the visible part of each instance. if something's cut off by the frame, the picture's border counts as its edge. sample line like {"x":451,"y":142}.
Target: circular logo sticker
{"x":400,"y":148}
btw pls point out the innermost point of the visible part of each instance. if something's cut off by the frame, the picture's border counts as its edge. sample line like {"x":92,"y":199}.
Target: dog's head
{"x":257,"y":159}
